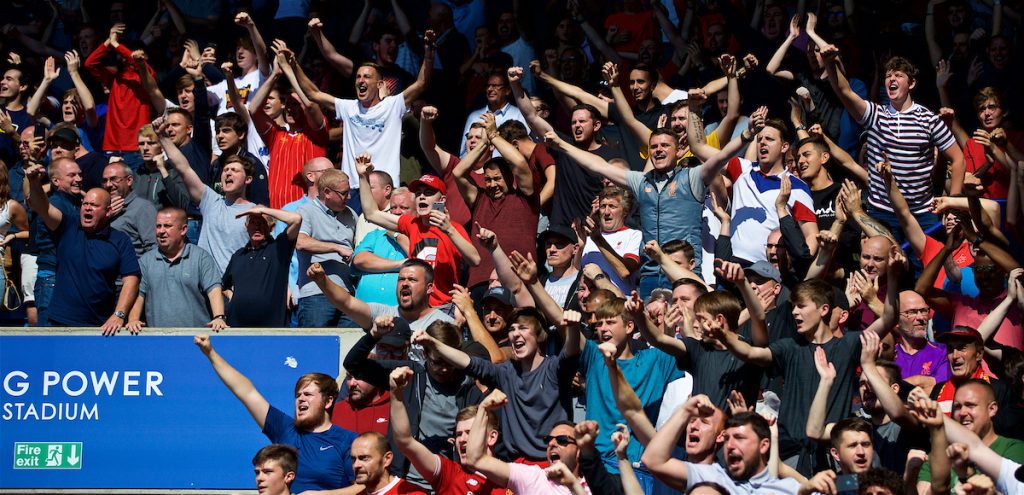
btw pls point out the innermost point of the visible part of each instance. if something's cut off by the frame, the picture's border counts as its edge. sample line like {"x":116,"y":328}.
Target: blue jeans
{"x":45,"y":280}
{"x":317,"y":312}
{"x":131,"y":158}
{"x":195,"y":227}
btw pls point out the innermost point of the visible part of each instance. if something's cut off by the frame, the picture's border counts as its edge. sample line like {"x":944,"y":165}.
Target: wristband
{"x":745,"y":138}
{"x":801,"y":127}
{"x":978,"y":240}
{"x":219,"y":317}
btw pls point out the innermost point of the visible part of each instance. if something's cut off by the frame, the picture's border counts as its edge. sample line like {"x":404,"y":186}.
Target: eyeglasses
{"x":562,"y":440}
{"x":343,"y":194}
{"x":115,"y":179}
{"x":915,"y":312}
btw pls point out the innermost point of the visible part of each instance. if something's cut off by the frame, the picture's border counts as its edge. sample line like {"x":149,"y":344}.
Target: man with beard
{"x":372,"y":122}
{"x":576,"y":186}
{"x":324,"y":462}
{"x":364,"y":409}
{"x":562,"y":454}
{"x":135,"y":218}
{"x":446,"y":476}
{"x":415,"y":284}
{"x":747,"y":441}
{"x":371,"y":463}
{"x":84,"y":292}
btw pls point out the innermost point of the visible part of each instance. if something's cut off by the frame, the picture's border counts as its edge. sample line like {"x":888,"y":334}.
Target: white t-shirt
{"x":376,"y":130}
{"x":626,"y":243}
{"x":559,"y":288}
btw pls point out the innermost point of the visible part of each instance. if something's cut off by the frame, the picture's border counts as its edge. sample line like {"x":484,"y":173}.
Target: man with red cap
{"x":433,"y":237}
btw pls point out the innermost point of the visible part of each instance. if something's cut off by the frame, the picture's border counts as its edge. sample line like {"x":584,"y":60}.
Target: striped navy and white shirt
{"x":909,"y":139}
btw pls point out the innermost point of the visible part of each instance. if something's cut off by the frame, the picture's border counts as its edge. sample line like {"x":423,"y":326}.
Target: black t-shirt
{"x":716,"y":372}
{"x":259,"y":279}
{"x":575,"y":187}
{"x":793,"y":359}
{"x":824,"y":209}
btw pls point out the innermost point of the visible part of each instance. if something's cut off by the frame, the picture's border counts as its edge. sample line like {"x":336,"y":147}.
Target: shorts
{"x":28,"y":278}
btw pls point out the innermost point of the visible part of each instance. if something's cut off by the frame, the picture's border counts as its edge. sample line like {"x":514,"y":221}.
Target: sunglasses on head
{"x":562,"y":440}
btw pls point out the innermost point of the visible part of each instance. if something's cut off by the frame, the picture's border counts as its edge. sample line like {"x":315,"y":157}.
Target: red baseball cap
{"x":430,"y":181}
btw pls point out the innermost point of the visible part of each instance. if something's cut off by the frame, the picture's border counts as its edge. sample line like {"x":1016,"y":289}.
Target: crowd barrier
{"x":83,"y":413}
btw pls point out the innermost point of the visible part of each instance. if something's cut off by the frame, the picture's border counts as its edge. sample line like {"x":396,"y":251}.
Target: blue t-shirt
{"x":84,"y":293}
{"x":378,"y":287}
{"x":648,"y":372}
{"x":325,"y":462}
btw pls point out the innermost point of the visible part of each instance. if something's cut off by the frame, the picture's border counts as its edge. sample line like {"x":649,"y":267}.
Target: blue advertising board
{"x":147,"y":412}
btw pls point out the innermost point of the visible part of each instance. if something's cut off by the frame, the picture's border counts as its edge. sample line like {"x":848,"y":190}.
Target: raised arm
{"x":589,"y":161}
{"x":569,"y":90}
{"x":732,"y":112}
{"x":658,"y":455}
{"x":775,"y":63}
{"x":855,"y":210}
{"x":761,"y":356}
{"x":816,"y":429}
{"x":236,"y":382}
{"x":50,"y":73}
{"x":610,"y":72}
{"x":260,"y":120}
{"x":520,"y":168}
{"x":851,"y":100}
{"x":733,"y":272}
{"x":418,"y":454}
{"x":195,"y":185}
{"x":928,"y":413}
{"x":450,"y":354}
{"x":462,"y":300}
{"x":526,"y":269}
{"x":934,"y":49}
{"x":258,"y":45}
{"x":625,"y":398}
{"x":436,"y":157}
{"x":937,"y":299}
{"x":237,"y":103}
{"x":538,"y":125}
{"x":426,"y":70}
{"x":340,"y":298}
{"x":908,"y":223}
{"x":291,"y":219}
{"x":372,"y":213}
{"x":341,"y":63}
{"x":651,"y":331}
{"x":713,"y":166}
{"x":37,"y":200}
{"x":477,"y":458}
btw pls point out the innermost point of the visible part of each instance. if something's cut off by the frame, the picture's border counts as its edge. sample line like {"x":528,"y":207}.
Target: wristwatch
{"x":121,"y":315}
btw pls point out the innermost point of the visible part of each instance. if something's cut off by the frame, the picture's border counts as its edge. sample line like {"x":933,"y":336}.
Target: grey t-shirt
{"x":794,"y":360}
{"x":535,"y":399}
{"x":443,"y":313}
{"x":322,"y":224}
{"x":222,"y":233}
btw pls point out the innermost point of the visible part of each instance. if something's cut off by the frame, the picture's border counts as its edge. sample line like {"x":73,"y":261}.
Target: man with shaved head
{"x":90,"y":258}
{"x":922,"y":362}
{"x":136,"y":218}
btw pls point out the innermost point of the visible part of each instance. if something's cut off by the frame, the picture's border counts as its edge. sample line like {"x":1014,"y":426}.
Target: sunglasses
{"x":562,"y":440}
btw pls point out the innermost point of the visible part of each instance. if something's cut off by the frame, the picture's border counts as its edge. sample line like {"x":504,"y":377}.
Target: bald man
{"x":85,"y":293}
{"x":874,"y":260}
{"x":923,"y":362}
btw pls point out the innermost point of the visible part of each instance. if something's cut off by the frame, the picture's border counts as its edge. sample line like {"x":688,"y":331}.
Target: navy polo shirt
{"x":259,"y":279}
{"x":41,"y":239}
{"x":88,"y":266}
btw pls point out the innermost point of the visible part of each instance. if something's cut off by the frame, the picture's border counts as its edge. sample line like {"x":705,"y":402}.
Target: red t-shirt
{"x":374,"y":417}
{"x":513,"y":219}
{"x":288,"y":152}
{"x":641,"y":26}
{"x":450,"y":478}
{"x":456,"y":206}
{"x":433,"y":246}
{"x":128,"y":109}
{"x":961,"y":255}
{"x":539,"y":162}
{"x":398,"y":486}
{"x":996,"y":179}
